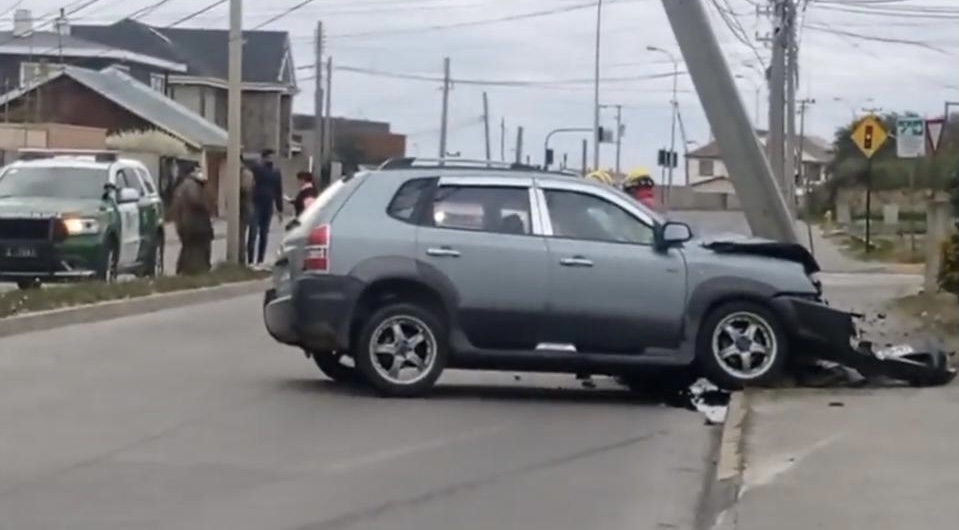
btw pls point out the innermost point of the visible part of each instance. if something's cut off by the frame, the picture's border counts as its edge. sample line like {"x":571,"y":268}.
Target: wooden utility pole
{"x":502,"y":139}
{"x":486,"y":125}
{"x":319,"y":144}
{"x":519,"y":144}
{"x":444,"y":116}
{"x":328,"y":144}
{"x":234,"y":149}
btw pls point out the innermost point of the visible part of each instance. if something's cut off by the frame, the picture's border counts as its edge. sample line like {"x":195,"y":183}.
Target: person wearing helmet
{"x":601,"y":177}
{"x":640,"y":186}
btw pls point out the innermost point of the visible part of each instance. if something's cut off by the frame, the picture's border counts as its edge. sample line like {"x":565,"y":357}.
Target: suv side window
{"x":502,"y":210}
{"x":408,"y":198}
{"x":576,"y":215}
{"x":127,"y":180}
{"x":146,"y":180}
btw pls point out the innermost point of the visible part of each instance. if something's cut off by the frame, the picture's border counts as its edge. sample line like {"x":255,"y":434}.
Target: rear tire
{"x":28,"y":285}
{"x":331,"y":364}
{"x":742,"y":344}
{"x":402,"y":350}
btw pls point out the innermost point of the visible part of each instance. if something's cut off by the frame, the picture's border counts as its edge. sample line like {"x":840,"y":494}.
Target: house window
{"x":706,"y":168}
{"x":158,"y":82}
{"x":30,"y":72}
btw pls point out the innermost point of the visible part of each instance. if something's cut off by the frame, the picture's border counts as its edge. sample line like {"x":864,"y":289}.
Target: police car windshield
{"x":55,"y":182}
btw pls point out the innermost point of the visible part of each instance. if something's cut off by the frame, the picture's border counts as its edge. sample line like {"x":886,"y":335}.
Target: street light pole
{"x":555,"y":131}
{"x":675,"y":110}
{"x":596,"y":138}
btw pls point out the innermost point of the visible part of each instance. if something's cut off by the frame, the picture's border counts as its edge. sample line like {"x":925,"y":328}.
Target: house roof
{"x":139,"y":99}
{"x":45,"y":44}
{"x":818,"y":149}
{"x":204,"y":51}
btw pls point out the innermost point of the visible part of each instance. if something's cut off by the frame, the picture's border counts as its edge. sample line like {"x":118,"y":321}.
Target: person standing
{"x":307,"y":193}
{"x":246,"y":205}
{"x":194,"y":225}
{"x":267,"y":198}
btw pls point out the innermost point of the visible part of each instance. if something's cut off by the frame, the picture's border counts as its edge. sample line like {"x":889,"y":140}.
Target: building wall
{"x":261,"y":121}
{"x":203,"y":100}
{"x":65,"y":101}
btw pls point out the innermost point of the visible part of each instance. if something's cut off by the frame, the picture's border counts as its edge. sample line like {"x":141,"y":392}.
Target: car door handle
{"x":576,"y":261}
{"x":443,"y":252}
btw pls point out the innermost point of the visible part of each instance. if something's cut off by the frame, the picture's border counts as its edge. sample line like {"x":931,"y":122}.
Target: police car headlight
{"x":81,"y":226}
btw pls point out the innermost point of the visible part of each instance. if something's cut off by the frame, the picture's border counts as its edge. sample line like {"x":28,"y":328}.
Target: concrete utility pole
{"x":619,"y":132}
{"x":596,"y":138}
{"x":585,"y":149}
{"x":328,"y":121}
{"x":775,"y":145}
{"x":502,"y":139}
{"x":319,"y":144}
{"x":519,"y":144}
{"x":792,"y":73}
{"x":231,"y":185}
{"x":486,"y":125}
{"x":749,"y":170}
{"x":446,"y":103}
{"x":801,"y":171}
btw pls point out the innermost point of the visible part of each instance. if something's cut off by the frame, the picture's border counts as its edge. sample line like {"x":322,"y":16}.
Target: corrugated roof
{"x":143,"y":101}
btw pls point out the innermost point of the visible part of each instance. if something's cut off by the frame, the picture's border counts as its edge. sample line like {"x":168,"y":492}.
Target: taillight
{"x":317,"y":250}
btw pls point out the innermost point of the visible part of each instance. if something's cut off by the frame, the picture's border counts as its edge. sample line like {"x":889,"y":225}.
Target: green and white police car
{"x":78,"y":215}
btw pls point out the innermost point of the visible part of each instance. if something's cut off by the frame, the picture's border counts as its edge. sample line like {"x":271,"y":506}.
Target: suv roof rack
{"x":98,"y":155}
{"x":463,"y":163}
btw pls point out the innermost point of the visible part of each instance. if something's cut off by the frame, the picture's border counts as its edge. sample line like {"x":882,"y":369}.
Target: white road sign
{"x":910,"y":137}
{"x":934,"y":132}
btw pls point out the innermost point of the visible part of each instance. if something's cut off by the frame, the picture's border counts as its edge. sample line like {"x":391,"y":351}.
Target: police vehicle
{"x":71,"y":215}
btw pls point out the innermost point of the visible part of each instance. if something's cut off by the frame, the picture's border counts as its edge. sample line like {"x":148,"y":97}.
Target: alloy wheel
{"x":403,"y":350}
{"x":745,"y":345}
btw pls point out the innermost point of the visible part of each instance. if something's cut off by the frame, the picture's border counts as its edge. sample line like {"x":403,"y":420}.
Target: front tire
{"x":402,"y":350}
{"x":109,"y":264}
{"x":331,"y":364}
{"x":742,"y":344}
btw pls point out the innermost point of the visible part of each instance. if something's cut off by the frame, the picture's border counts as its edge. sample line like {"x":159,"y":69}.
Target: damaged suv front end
{"x":821,"y":332}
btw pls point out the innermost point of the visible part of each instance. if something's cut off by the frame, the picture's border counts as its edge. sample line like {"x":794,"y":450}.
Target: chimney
{"x":22,"y":23}
{"x":62,"y":25}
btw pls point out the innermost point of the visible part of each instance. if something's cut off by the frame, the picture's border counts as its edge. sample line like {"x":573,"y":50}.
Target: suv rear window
{"x":403,"y":205}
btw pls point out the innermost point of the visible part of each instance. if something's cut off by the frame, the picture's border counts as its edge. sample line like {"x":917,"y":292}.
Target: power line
{"x":876,"y":38}
{"x":481,"y":22}
{"x":286,"y":12}
{"x":197,"y":13}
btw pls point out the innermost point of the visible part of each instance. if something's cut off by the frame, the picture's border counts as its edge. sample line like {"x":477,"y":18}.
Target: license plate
{"x":20,"y":252}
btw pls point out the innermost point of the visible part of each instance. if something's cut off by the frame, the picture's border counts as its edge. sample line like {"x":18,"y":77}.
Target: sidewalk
{"x":851,"y":459}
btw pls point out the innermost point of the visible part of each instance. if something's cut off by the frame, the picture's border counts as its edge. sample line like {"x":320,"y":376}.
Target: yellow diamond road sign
{"x":869,"y":135}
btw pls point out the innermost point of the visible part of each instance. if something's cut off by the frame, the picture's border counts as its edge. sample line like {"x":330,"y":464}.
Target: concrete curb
{"x":87,"y":314}
{"x":721,"y":490}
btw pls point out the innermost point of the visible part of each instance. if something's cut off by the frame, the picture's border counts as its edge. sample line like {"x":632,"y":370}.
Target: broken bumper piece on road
{"x":829,"y":334}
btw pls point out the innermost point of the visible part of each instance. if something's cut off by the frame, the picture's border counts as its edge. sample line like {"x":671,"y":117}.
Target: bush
{"x":949,"y":271}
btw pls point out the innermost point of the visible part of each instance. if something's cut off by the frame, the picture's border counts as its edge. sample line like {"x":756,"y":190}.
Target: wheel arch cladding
{"x":718,"y":291}
{"x":402,"y":279}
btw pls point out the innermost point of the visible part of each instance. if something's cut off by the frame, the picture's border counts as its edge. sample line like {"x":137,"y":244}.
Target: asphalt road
{"x":195,"y":419}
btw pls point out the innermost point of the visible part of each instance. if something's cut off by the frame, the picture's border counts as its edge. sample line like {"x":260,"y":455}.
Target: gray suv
{"x":393,"y":275}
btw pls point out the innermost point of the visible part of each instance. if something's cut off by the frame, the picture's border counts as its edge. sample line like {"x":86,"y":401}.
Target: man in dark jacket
{"x":267,"y":198}
{"x":194,"y":226}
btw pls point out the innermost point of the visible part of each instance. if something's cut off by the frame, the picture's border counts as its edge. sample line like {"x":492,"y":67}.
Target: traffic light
{"x":549,"y":157}
{"x":867,"y":138}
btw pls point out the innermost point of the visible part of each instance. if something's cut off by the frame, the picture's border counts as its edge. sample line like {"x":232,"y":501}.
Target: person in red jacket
{"x":641,"y":187}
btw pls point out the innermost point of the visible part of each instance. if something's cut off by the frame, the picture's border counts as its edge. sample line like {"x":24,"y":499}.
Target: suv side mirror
{"x":673,"y":233}
{"x":128,"y":195}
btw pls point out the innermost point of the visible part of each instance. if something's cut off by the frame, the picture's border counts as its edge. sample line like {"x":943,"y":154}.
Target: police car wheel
{"x":109,"y":264}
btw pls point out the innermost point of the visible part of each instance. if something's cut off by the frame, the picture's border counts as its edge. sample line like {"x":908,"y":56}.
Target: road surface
{"x":194,"y":419}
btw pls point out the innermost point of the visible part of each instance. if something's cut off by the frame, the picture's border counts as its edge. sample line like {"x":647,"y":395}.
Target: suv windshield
{"x":58,"y":182}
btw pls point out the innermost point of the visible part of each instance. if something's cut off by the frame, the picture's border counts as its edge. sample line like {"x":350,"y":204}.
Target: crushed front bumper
{"x":826,"y":333}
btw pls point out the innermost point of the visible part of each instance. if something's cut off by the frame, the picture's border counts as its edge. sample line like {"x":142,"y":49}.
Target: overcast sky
{"x":899,"y":55}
